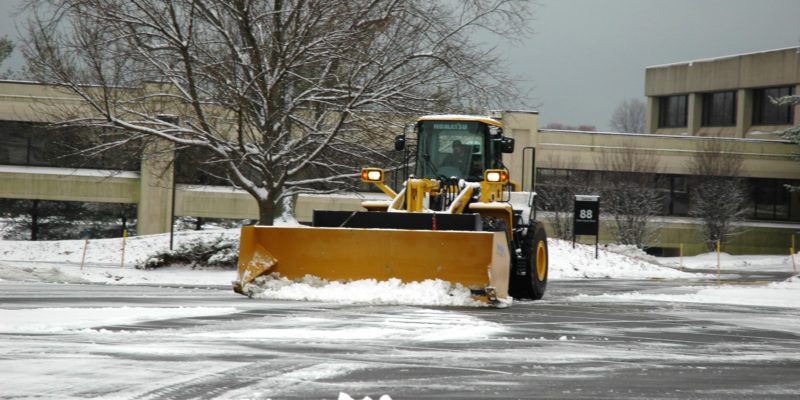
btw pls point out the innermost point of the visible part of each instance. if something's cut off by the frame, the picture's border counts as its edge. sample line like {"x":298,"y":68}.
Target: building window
{"x":672,"y":111}
{"x":771,"y":199}
{"x":719,"y":109}
{"x":767,"y":113}
{"x":679,"y":195}
{"x":191,"y":168}
{"x":674,"y":194}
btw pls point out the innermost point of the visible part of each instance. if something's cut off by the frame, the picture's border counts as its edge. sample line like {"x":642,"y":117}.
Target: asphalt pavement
{"x":566,"y":346}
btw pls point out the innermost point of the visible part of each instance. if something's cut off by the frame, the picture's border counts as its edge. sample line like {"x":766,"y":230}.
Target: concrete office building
{"x":725,"y":96}
{"x":689,"y":105}
{"x":692,"y":106}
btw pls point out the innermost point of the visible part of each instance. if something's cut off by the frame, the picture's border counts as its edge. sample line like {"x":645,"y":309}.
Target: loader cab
{"x":462,"y":147}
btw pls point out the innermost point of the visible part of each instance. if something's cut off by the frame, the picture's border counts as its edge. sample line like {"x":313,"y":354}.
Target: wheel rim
{"x":541,"y":261}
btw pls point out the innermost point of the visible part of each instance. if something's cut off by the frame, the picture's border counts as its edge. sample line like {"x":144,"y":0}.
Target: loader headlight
{"x":372,"y":175}
{"x":496,"y":176}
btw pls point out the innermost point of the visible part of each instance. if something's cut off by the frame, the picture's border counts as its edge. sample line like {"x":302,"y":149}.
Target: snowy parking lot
{"x":622,"y":326}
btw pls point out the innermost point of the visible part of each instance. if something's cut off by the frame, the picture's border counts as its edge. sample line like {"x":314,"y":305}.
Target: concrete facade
{"x":523,"y":126}
{"x":743,"y":74}
{"x":588,"y":151}
{"x":151,"y":188}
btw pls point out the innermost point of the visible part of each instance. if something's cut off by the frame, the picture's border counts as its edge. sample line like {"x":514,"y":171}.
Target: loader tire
{"x":531,"y":283}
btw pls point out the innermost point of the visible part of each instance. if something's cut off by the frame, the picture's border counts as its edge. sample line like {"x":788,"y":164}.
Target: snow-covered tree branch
{"x":288,"y":96}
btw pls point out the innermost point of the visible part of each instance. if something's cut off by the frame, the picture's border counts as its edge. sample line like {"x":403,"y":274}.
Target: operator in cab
{"x":459,"y":158}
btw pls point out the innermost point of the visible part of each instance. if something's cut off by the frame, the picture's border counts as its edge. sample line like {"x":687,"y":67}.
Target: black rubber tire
{"x":533,"y":282}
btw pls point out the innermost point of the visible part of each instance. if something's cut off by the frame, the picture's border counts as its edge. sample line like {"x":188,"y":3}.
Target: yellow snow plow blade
{"x":476,"y":260}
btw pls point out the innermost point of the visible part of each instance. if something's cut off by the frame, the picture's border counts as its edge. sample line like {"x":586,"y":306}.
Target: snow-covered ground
{"x":774,"y":294}
{"x":48,"y":339}
{"x":60,"y":262}
{"x":60,"y":320}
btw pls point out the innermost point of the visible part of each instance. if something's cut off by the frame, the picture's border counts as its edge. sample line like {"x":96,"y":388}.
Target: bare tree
{"x":717,"y":158}
{"x":556,"y":188}
{"x":718,"y":196}
{"x":285,"y":96}
{"x":629,"y":116}
{"x":6,"y":47}
{"x":630,"y":194}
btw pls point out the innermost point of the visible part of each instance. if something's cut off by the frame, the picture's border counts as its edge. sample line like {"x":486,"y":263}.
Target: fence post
{"x":124,"y":236}
{"x":718,"y":264}
{"x":791,"y":252}
{"x":83,"y":257}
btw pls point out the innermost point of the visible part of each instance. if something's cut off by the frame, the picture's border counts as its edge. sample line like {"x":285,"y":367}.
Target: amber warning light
{"x":496,"y":176}
{"x":372,"y":175}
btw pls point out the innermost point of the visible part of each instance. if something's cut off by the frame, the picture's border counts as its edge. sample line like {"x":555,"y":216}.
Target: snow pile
{"x":569,"y":263}
{"x":367,"y":291}
{"x":60,"y":261}
{"x":345,"y":396}
{"x":60,"y":320}
{"x":103,"y":251}
{"x":776,"y":294}
{"x":752,"y":263}
{"x":52,"y":272}
{"x":45,"y":274}
{"x":631,"y":251}
{"x":565,"y":263}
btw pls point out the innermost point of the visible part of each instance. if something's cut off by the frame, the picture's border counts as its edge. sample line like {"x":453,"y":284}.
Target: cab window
{"x":451,"y":149}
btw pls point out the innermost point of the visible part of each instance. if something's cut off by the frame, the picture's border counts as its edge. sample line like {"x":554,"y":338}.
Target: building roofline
{"x":702,"y":60}
{"x":22,"y":82}
{"x":658,"y":135}
{"x":63,"y":84}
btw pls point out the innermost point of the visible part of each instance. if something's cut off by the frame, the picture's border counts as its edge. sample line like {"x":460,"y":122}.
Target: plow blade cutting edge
{"x":476,"y":260}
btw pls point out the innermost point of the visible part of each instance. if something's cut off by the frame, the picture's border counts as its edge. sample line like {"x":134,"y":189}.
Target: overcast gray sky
{"x":587,"y":56}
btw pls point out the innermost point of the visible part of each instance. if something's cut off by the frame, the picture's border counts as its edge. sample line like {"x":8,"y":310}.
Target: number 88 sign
{"x":587,"y":211}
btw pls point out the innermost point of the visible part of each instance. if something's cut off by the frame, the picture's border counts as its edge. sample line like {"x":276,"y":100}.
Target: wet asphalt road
{"x":563,"y":347}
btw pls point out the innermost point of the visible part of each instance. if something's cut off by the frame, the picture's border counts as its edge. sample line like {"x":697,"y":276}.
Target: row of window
{"x":33,"y":144}
{"x":24,"y":143}
{"x":719,"y":109}
{"x":768,"y":199}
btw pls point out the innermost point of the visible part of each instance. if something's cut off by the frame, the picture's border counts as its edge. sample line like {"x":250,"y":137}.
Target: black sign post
{"x":586,"y":219}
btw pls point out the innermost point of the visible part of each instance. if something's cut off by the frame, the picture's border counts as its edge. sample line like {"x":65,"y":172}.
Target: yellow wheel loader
{"x":459,"y":219}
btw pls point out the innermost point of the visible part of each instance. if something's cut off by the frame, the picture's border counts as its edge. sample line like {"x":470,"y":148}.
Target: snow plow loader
{"x":459,"y":218}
